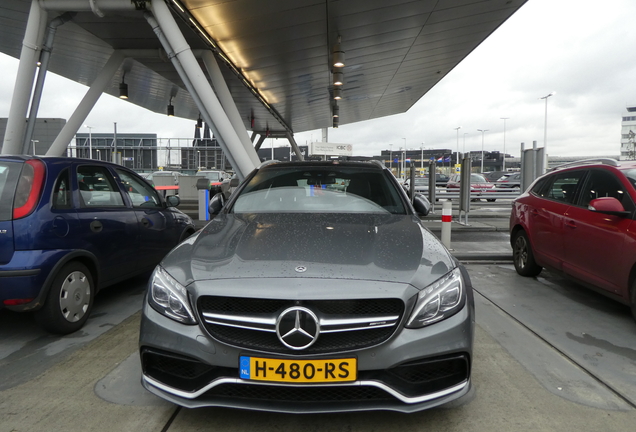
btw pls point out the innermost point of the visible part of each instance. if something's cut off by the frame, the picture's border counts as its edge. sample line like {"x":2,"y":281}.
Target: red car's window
{"x":601,"y":183}
{"x":563,"y":186}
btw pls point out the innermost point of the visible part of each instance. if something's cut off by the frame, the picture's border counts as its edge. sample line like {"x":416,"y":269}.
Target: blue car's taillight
{"x":29,"y":188}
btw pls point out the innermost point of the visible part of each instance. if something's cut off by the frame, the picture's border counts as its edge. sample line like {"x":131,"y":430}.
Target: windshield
{"x":212,"y":175}
{"x":476,"y":178}
{"x":319,"y":189}
{"x":631,"y":176}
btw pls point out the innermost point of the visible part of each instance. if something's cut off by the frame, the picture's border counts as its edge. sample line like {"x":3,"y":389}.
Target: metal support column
{"x":294,"y":146}
{"x":86,"y":105}
{"x":431,"y":184}
{"x":243,"y":164}
{"x":260,"y":142}
{"x":464,"y":189}
{"x":189,"y":86}
{"x":16,"y":126}
{"x":45,"y":56}
{"x":523,"y":184}
{"x":225,"y":97}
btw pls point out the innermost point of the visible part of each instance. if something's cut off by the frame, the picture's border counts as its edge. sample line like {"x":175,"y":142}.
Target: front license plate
{"x":298,"y":371}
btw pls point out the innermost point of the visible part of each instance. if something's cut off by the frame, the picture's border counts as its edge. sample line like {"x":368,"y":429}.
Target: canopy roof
{"x":276,"y":54}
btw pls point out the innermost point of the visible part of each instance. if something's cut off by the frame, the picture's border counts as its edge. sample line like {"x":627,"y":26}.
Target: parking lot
{"x":549,"y":355}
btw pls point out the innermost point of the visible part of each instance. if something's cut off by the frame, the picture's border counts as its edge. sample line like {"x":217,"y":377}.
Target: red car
{"x":578,"y":219}
{"x":478,"y":184}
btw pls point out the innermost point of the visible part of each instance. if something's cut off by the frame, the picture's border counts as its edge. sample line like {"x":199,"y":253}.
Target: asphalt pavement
{"x":548,"y":356}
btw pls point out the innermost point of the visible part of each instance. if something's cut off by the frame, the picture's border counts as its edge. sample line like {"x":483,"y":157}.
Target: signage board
{"x":331,"y":149}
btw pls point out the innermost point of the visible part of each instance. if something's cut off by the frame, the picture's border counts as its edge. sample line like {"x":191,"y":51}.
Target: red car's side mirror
{"x":607,"y":205}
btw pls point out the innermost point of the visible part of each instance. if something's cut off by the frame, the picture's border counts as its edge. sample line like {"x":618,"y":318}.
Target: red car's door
{"x":545,"y":218}
{"x":597,"y":245}
{"x":546,"y":225}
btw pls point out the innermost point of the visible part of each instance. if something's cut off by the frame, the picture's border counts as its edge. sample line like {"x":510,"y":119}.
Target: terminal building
{"x":628,"y":135}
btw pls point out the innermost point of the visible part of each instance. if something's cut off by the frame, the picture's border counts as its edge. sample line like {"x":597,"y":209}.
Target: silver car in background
{"x":304,"y":296}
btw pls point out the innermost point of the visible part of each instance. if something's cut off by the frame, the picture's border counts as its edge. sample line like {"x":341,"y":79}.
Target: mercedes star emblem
{"x":297,"y":328}
{"x":301,"y":269}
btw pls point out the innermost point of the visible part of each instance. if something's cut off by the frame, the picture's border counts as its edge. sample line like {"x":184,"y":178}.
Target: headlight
{"x":169,"y":297}
{"x":440,"y":300}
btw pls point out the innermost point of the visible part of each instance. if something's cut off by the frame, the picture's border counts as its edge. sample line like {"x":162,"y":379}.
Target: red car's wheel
{"x":523,"y":257}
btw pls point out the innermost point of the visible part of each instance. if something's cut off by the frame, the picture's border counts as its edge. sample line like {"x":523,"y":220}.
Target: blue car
{"x":70,"y":227}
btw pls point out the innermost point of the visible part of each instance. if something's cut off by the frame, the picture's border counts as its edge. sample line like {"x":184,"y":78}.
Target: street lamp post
{"x":482,"y":147}
{"x":545,"y":132}
{"x":504,"y":149}
{"x":391,"y":157}
{"x":33,"y":144}
{"x":99,"y":155}
{"x":457,"y":159}
{"x":90,"y":141}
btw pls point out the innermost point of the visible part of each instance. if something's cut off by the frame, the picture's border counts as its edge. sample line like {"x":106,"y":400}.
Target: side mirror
{"x":173,"y":200}
{"x":234,"y":182}
{"x":216,"y":204}
{"x":421,"y":205}
{"x":607,"y":205}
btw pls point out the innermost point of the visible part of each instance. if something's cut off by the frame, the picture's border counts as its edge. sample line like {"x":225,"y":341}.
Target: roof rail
{"x":604,"y":161}
{"x":268,"y":162}
{"x":378,"y":163}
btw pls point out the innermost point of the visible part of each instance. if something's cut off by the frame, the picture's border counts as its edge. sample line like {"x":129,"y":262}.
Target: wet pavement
{"x":549,"y":355}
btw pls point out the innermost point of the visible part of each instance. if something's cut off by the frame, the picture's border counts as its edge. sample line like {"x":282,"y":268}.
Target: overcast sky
{"x":584,"y":50}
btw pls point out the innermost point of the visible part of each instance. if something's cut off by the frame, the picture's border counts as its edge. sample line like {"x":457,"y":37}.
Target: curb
{"x":467,"y":256}
{"x":437,"y":230}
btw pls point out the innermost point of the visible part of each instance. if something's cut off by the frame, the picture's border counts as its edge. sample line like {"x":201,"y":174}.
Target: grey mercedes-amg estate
{"x":315,"y":288}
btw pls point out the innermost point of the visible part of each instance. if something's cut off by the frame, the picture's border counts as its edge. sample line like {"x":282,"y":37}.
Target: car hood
{"x":392,"y":248}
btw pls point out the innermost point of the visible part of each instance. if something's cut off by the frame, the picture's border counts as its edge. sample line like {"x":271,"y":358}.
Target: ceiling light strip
{"x":185,"y":14}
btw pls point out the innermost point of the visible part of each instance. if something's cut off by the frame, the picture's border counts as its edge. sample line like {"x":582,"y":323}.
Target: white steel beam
{"x":45,"y":56}
{"x":16,"y":123}
{"x":225,"y":97}
{"x":186,"y":80}
{"x":243,"y":162}
{"x":95,"y":6}
{"x":86,"y":105}
{"x":294,"y":146}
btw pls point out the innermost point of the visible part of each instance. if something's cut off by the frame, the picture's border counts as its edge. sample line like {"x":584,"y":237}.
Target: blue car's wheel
{"x":69,"y":301}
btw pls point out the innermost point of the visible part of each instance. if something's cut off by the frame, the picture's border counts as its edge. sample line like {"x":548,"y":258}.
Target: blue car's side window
{"x":97,"y":187}
{"x":140,"y":192}
{"x":62,"y":191}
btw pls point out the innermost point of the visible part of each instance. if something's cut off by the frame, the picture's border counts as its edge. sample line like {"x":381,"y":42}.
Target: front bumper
{"x":415,"y":369}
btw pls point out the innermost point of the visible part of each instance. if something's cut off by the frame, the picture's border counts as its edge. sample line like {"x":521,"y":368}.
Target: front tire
{"x":69,"y":301}
{"x":523,"y":257}
{"x":187,"y":233}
